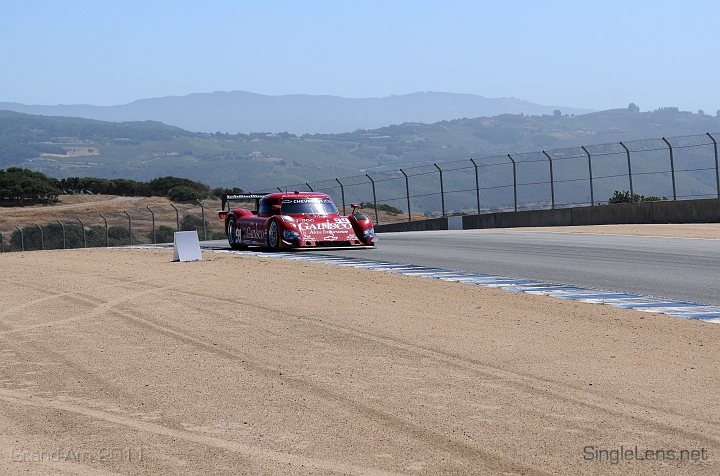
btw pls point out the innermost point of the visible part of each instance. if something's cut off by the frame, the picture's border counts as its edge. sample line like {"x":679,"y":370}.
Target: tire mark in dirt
{"x":72,"y":368}
{"x":527,"y":383}
{"x":98,"y":310}
{"x":248,"y":451}
{"x":461,"y":449}
{"x":32,"y":302}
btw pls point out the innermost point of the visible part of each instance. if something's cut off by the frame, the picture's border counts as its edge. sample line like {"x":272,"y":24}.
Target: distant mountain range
{"x":243,"y":112}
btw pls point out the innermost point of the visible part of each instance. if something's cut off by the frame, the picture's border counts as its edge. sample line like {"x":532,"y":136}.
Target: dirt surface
{"x":708,"y":231}
{"x":118,"y":361}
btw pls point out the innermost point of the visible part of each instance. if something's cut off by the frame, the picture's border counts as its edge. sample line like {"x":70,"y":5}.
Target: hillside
{"x":240,"y":111}
{"x":63,"y":147}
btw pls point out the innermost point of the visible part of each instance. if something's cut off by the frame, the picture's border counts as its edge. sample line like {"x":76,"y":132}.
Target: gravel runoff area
{"x":119,"y":361}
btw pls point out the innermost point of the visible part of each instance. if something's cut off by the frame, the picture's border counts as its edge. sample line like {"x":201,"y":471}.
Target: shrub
{"x":183,"y":193}
{"x":624,"y":197}
{"x":220,"y":191}
{"x":164,"y":234}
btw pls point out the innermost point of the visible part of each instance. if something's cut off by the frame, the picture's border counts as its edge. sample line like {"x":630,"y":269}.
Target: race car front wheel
{"x":273,"y":235}
{"x":233,"y":236}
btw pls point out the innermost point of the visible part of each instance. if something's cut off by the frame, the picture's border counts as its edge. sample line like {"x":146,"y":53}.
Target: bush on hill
{"x":18,"y":186}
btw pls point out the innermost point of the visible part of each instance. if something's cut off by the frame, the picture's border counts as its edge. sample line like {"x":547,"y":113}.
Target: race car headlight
{"x":287,"y":218}
{"x":291,"y":235}
{"x":369,"y":233}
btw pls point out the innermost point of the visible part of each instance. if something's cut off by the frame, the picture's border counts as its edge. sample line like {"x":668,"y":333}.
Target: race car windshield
{"x":308,"y":206}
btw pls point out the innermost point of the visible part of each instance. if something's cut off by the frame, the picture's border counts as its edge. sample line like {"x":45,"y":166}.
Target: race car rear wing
{"x":242,"y":196}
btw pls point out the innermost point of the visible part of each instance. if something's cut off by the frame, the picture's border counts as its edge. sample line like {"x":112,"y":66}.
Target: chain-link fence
{"x":673,"y":168}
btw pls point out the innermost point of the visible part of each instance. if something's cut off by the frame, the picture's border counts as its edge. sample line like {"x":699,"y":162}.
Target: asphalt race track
{"x":683,"y":269}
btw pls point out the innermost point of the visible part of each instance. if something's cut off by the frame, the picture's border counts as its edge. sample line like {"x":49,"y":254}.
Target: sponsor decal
{"x":307,"y":200}
{"x":330,"y":238}
{"x":254,"y":234}
{"x":325,"y":226}
{"x":342,"y":220}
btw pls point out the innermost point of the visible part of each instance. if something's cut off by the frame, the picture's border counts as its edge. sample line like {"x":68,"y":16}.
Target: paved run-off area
{"x":121,"y":362}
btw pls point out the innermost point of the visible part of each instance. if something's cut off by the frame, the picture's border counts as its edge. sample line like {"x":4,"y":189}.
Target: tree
{"x":557,"y":113}
{"x":23,"y":185}
{"x":632,"y":107}
{"x":182,"y":193}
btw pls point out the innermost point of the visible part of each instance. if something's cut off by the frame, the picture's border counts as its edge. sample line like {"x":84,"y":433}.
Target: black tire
{"x":234,"y":244}
{"x":273,"y":235}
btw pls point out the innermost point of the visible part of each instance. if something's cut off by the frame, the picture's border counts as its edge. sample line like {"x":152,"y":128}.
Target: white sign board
{"x":455,"y":223}
{"x":187,"y":246}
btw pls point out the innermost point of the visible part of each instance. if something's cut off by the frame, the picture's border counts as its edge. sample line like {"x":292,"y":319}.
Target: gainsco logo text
{"x":254,"y":234}
{"x":324,"y":226}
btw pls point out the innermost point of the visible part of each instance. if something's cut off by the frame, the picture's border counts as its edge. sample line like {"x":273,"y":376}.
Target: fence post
{"x":672,"y":167}
{"x":129,"y":225}
{"x":552,"y":186}
{"x":632,"y":194}
{"x":42,"y":237}
{"x":514,"y":180}
{"x":22,"y":238}
{"x":308,"y":186}
{"x":2,"y":241}
{"x":377,"y":218}
{"x":107,"y":232}
{"x":342,"y":193}
{"x":592,"y":197}
{"x":442,"y":190}
{"x":153,"y":222}
{"x":83,"y":229}
{"x":177,"y":216}
{"x":477,"y":185}
{"x":717,"y":175}
{"x":407,"y":193}
{"x":203,"y":219}
{"x":63,"y":229}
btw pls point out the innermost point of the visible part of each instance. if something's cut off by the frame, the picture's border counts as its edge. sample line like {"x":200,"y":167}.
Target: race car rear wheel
{"x":273,"y":235}
{"x":232,"y":237}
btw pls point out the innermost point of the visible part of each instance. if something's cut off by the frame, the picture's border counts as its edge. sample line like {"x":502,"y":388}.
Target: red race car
{"x":293,"y":220}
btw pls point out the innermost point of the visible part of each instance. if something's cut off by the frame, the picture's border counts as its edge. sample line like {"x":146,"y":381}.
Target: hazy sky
{"x":589,"y":54}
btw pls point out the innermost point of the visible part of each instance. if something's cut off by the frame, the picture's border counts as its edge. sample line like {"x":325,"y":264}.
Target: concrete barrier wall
{"x":680,"y":211}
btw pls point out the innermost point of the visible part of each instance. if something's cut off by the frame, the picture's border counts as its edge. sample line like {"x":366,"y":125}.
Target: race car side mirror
{"x":354,"y":206}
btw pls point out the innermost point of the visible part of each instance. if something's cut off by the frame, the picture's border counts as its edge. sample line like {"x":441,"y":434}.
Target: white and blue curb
{"x":687,"y":310}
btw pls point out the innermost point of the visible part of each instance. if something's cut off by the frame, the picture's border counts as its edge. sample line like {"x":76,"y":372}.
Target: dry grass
{"x":89,"y":207}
